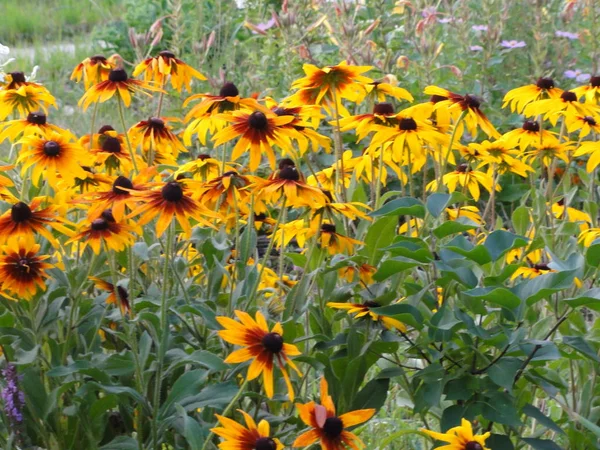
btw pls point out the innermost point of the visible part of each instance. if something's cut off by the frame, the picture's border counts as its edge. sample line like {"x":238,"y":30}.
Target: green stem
{"x":124,"y":125}
{"x":164,"y":325}
{"x":452,"y":138}
{"x":379,"y":177}
{"x":227,"y":410}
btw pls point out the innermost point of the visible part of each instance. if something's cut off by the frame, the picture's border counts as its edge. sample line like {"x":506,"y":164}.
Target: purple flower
{"x":578,"y":75}
{"x":265,"y":26}
{"x":476,"y":48}
{"x":479,"y":28}
{"x":513,"y":44}
{"x":446,"y":20}
{"x":566,"y":34}
{"x":12,"y":397}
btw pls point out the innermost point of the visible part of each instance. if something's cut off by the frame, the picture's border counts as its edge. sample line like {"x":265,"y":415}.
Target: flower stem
{"x":227,"y":410}
{"x":129,"y":147}
{"x":450,"y":144}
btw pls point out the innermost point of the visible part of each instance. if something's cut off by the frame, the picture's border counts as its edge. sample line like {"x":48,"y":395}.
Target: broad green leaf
{"x":521,"y":220}
{"x":449,"y":227}
{"x":121,"y":443}
{"x":499,"y":242}
{"x":499,"y":442}
{"x":437,"y":203}
{"x":498,"y":296}
{"x":580,"y":345}
{"x":541,"y":444}
{"x":503,"y":372}
{"x":404,"y":312}
{"x":451,"y":417}
{"x":406,"y":206}
{"x":590,"y":299}
{"x":500,"y":408}
{"x":592,"y":256}
{"x":372,"y":395}
{"x":379,"y":235}
{"x":544,"y":285}
{"x":186,"y":386}
{"x":542,"y":418}
{"x":393,"y":266}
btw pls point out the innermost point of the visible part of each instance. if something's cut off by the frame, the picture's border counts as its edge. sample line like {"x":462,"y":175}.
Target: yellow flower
{"x":25,"y":99}
{"x":460,"y":438}
{"x":519,"y":98}
{"x":249,"y":437}
{"x":94,"y":69}
{"x":591,"y":91}
{"x":531,"y":272}
{"x":589,"y":236}
{"x":363,"y":310}
{"x":468,"y":179}
{"x":165,"y":65}
{"x":591,"y":148}
{"x":529,"y":134}
{"x":551,"y":108}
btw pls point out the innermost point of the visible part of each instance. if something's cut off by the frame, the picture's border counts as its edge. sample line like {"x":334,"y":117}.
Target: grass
{"x":30,"y":21}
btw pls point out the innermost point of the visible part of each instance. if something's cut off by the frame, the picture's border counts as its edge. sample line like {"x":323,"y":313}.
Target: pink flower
{"x":513,"y":44}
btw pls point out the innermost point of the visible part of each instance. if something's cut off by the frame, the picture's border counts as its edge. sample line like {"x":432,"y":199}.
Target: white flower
{"x":4,"y":50}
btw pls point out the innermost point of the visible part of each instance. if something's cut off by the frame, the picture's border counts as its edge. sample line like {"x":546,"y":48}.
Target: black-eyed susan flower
{"x":591,"y":91}
{"x":166,"y":65}
{"x":303,"y":118}
{"x":52,"y":156}
{"x":334,"y":242}
{"x":520,"y":97}
{"x":531,"y":271}
{"x":331,"y":208}
{"x":155,"y":135}
{"x":203,"y":168}
{"x":467,"y":104}
{"x":226,"y":191}
{"x":383,"y":114}
{"x":380,"y":89}
{"x":118,"y":82}
{"x":25,"y":99}
{"x":206,"y":117}
{"x":468,"y":179}
{"x":35,"y":123}
{"x":529,"y":134}
{"x":109,"y":149}
{"x":172,"y":199}
{"x":258,"y":131}
{"x":460,"y":438}
{"x":94,"y":69}
{"x":502,"y":157}
{"x":329,"y":85}
{"x":23,"y":220}
{"x":249,"y":437}
{"x":118,"y":296}
{"x":327,"y":428}
{"x":591,"y":148}
{"x":294,"y":229}
{"x":22,"y":270}
{"x":289,"y":182}
{"x":326,"y":178}
{"x":265,"y":348}
{"x":547,"y":151}
{"x":105,"y":230}
{"x":364,"y":272}
{"x":584,"y":124}
{"x":564,"y":105}
{"x":92,"y":181}
{"x":363,"y":310}
{"x":589,"y":236}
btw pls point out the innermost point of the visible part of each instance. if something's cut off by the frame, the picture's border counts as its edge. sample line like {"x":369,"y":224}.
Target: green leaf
{"x":451,"y":417}
{"x":393,"y":266}
{"x":379,"y":235}
{"x":521,"y":220}
{"x":192,"y":431}
{"x":580,"y":345}
{"x":542,"y":418}
{"x":500,"y":408}
{"x":459,"y":225}
{"x":503,"y":372}
{"x":437,"y":203}
{"x":498,"y":296}
{"x":406,"y":206}
{"x":186,"y":386}
{"x":373,"y":395}
{"x":499,"y":442}
{"x":590,"y":299}
{"x":541,"y":444}
{"x":499,"y":242}
{"x":586,"y":423}
{"x":403,"y":312}
{"x":544,"y":285}
{"x":592,"y":256}
{"x":121,"y":443}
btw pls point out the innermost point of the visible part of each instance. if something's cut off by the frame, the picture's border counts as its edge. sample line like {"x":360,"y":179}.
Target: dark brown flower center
{"x":289,"y":173}
{"x":117,"y":75}
{"x":104,"y":128}
{"x":203,"y":156}
{"x":98,"y":59}
{"x":229,"y":90}
{"x":258,"y":121}
{"x":462,"y":168}
{"x":471,"y":101}
{"x":272,"y":342}
{"x":18,"y":77}
{"x":122,"y":182}
{"x":437,"y":98}
{"x":265,"y":444}
{"x":407,"y":124}
{"x":473,"y":446}
{"x":590,"y":121}
{"x":531,"y":125}
{"x":541,"y":267}
{"x":172,"y":192}
{"x":569,"y":96}
{"x":371,"y":304}
{"x":111,"y":144}
{"x":282,"y":111}
{"x":545,"y":83}
{"x":333,"y":427}
{"x":167,"y":54}
{"x":260,"y":217}
{"x":38,"y":117}
{"x":100,"y":224}
{"x":24,"y":266}
{"x":156,"y":122}
{"x":108,"y":215}
{"x":20,"y":212}
{"x":595,"y":81}
{"x":51,"y":148}
{"x":383,"y":109}
{"x":123,"y":294}
{"x":328,"y":228}
{"x":286,"y":162}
